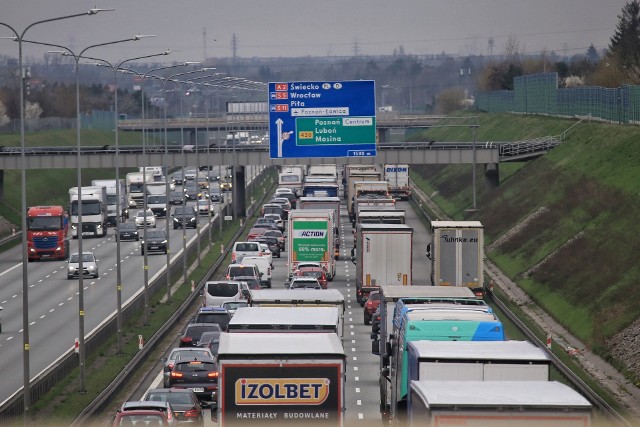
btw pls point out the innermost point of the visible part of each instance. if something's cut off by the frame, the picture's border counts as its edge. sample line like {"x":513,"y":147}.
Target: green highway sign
{"x":335,"y":130}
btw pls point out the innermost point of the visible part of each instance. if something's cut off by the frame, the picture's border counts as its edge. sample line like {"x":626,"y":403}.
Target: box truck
{"x":398,"y":178}
{"x":456,"y":252}
{"x":112,"y":198}
{"x":326,"y":203}
{"x":281,"y":379}
{"x":135,"y":187}
{"x":382,"y":258}
{"x":310,"y":239}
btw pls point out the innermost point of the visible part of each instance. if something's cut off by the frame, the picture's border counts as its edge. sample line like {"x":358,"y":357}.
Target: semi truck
{"x":112,"y":198}
{"x":497,"y":403}
{"x":47,"y":233}
{"x":355,"y":169}
{"x":135,"y":187}
{"x":398,"y":178}
{"x":365,"y":203}
{"x":94,"y":211}
{"x":382,"y":258}
{"x":351,"y":187}
{"x":326,"y":203}
{"x":310,"y":239}
{"x":456,"y":253}
{"x":281,"y":378}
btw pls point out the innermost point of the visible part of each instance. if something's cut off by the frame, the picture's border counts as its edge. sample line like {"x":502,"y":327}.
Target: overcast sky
{"x":281,"y":28}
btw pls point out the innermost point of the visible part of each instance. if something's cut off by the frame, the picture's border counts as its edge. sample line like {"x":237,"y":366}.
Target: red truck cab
{"x":47,"y":233}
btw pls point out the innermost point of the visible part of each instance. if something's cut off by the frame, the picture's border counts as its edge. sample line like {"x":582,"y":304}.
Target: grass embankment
{"x":51,"y":186}
{"x":583,"y":245}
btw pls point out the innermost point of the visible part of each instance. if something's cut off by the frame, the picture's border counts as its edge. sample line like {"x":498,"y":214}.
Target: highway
{"x":53,"y":299}
{"x":362,"y":390}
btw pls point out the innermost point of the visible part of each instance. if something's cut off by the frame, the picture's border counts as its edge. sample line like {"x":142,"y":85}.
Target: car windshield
{"x":252,"y":282}
{"x":141,"y":213}
{"x":156,"y":200}
{"x":41,"y":223}
{"x":222,"y":289}
{"x":247,"y":247}
{"x":233,"y":305}
{"x":316,"y":274}
{"x":196,"y":331}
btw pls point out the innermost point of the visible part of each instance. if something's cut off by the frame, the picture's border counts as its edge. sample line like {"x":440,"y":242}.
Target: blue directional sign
{"x":322,"y":119}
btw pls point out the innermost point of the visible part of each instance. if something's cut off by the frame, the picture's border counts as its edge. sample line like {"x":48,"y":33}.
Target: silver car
{"x":89,"y":265}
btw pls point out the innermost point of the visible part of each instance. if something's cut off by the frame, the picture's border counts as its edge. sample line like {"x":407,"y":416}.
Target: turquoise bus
{"x":435,"y":323}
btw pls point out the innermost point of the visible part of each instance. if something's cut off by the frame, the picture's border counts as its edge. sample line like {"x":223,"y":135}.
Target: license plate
{"x":153,"y":247}
{"x":198,"y":389}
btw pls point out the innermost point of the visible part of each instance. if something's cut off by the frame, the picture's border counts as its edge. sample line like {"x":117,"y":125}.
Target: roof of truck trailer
{"x":385,"y":227}
{"x":456,"y":224}
{"x":478,"y":350}
{"x":288,"y":296}
{"x":302,"y":316}
{"x":396,"y":291}
{"x":280,"y":345}
{"x":319,"y":199}
{"x":472,"y":394}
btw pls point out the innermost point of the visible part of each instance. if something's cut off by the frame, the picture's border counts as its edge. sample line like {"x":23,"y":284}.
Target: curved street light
{"x":115,"y":69}
{"x":19,"y":36}
{"x":81,"y":313}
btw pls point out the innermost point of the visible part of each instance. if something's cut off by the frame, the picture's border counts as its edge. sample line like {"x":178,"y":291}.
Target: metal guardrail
{"x":116,"y":385}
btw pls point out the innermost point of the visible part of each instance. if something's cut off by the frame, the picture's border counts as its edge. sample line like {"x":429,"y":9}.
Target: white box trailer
{"x":383,"y":256}
{"x":398,"y":178}
{"x":456,"y":252}
{"x":114,"y":186}
{"x":285,"y":379}
{"x":496,"y":404}
{"x":476,"y":361}
{"x":358,"y":176}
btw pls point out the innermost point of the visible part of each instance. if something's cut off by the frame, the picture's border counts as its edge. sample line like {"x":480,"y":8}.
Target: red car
{"x":317,"y":272}
{"x":370,"y":306}
{"x":255,"y":232}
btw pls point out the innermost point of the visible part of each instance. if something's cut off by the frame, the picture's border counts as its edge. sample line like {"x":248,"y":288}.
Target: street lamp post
{"x":115,"y":69}
{"x":26,"y":346}
{"x":81,"y":313}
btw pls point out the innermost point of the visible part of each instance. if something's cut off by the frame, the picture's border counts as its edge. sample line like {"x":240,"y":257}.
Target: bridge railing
{"x":528,"y":148}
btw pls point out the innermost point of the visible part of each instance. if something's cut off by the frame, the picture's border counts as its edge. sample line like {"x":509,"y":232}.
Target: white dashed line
{"x":43,"y":316}
{"x":355,"y":368}
{"x":10,"y":338}
{"x":357,"y":389}
{"x":357,"y":378}
{"x":359,"y":402}
{"x":360,"y":416}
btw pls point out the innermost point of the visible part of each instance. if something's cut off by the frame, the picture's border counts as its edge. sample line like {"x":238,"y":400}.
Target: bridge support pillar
{"x":239,"y":191}
{"x":381,"y":135}
{"x":492,"y":175}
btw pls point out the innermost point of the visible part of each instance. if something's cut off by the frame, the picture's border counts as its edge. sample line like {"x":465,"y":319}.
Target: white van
{"x":243,"y":249}
{"x":218,"y":292}
{"x":264,"y":267}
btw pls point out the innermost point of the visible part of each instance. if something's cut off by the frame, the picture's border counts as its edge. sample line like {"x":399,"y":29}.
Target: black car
{"x":215,"y":315}
{"x":215,"y":196}
{"x":154,"y":241}
{"x":272,"y":242}
{"x":184,"y":402}
{"x":200,"y":376}
{"x":184,"y":215}
{"x":193,"y":332}
{"x":176,"y":198}
{"x":191,"y":190}
{"x":128,"y":231}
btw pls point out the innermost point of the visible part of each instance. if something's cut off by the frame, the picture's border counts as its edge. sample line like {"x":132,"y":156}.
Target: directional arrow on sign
{"x":279,"y":127}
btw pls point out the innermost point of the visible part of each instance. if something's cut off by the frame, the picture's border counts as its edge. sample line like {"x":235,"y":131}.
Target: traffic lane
{"x":421,"y":266}
{"x":55,"y":321}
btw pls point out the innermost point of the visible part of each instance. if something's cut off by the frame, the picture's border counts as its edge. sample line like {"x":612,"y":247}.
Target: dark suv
{"x":215,"y":315}
{"x":154,"y":241}
{"x":184,"y":215}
